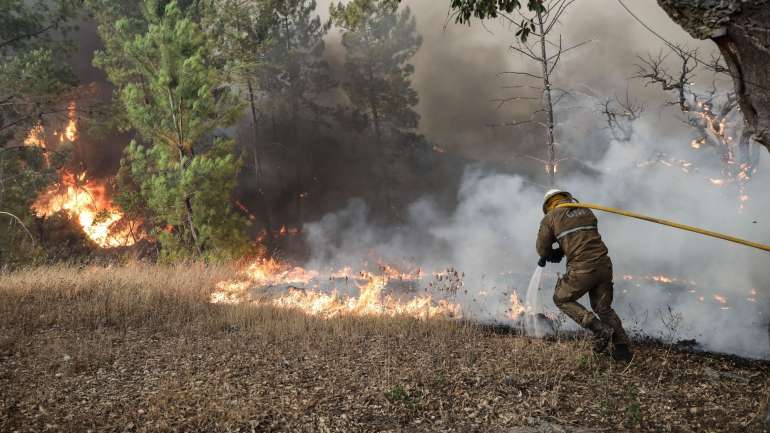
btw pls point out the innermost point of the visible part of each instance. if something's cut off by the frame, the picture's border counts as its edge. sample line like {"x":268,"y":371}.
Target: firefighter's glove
{"x":556,"y":256}
{"x":541,"y":262}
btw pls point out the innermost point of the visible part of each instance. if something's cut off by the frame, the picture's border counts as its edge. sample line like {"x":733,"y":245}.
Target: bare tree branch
{"x":525,"y":52}
{"x":620,"y":115}
{"x":31,"y":35}
{"x":14,"y":217}
{"x":520,"y":73}
{"x":573,"y":47}
{"x":502,"y":101}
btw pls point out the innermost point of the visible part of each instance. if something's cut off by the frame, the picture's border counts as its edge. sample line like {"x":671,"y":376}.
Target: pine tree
{"x":34,"y":83}
{"x":241,"y":29}
{"x":293,"y":77}
{"x":380,"y":39}
{"x":274,"y":51}
{"x":172,"y":92}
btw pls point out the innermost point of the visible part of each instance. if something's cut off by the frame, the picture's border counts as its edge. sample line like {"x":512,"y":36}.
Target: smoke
{"x":457,"y":71}
{"x":490,"y":234}
{"x":490,"y":237}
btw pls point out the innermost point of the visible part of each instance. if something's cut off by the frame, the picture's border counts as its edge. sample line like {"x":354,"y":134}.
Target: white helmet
{"x":551,"y":193}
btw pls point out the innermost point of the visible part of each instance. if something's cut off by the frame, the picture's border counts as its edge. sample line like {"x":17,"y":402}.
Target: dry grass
{"x":139,"y":348}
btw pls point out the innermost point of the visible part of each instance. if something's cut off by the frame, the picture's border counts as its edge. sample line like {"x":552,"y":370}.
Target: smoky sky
{"x":457,"y":70}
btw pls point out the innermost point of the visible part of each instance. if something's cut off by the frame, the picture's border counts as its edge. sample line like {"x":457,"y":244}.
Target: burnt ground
{"x":353,"y":375}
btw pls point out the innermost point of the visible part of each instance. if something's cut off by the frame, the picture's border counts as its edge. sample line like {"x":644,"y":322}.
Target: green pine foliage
{"x":295,"y":72}
{"x":380,"y":39}
{"x":183,"y":173}
{"x":34,"y":82}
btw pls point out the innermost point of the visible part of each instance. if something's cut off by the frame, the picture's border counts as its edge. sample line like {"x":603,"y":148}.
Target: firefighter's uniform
{"x":589,"y":268}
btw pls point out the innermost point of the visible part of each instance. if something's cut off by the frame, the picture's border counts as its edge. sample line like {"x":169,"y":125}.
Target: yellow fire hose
{"x":668,"y":223}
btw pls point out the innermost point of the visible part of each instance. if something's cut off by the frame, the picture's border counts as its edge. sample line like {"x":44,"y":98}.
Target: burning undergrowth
{"x":386,"y":292}
{"x":669,"y":285}
{"x":389,"y":292}
{"x":85,"y":200}
{"x":88,"y":202}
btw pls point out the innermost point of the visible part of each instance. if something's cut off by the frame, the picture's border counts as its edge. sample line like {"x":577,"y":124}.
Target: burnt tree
{"x":713,"y":115}
{"x":535,"y":43}
{"x":620,"y":114}
{"x":741,"y":31}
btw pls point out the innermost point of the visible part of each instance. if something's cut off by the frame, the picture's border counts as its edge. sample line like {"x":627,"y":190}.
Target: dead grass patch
{"x":139,"y":348}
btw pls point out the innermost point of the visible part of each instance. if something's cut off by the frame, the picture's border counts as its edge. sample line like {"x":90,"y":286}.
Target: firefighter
{"x":589,"y":270}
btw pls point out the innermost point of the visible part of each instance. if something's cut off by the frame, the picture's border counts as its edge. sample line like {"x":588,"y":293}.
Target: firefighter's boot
{"x":602,"y":335}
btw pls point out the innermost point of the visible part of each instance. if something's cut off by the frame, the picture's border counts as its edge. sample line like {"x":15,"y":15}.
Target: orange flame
{"x":83,"y":199}
{"x":36,"y":137}
{"x":71,"y":131}
{"x":518,"y":308}
{"x":371,"y":299}
{"x":87,"y":201}
{"x":662,"y":279}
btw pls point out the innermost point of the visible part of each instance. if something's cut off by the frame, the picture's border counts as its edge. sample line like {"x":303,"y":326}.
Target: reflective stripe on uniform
{"x":573,"y":230}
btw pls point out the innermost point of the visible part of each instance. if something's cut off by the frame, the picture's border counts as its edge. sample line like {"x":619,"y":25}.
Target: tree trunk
{"x":264,"y":206}
{"x":740,"y":31}
{"x":387,"y":162}
{"x":188,"y":203}
{"x":176,"y":113}
{"x":549,"y":136}
{"x":293,"y":137}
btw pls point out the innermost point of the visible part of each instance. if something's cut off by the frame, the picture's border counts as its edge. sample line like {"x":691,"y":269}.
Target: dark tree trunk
{"x":188,"y":201}
{"x":264,"y":205}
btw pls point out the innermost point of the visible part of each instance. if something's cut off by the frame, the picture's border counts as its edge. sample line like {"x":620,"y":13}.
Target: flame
{"x":517,"y":307}
{"x":83,"y":199}
{"x":719,"y":298}
{"x":696,"y":144}
{"x":71,"y":131}
{"x":86,"y":200}
{"x":303,"y":294}
{"x":36,"y":137}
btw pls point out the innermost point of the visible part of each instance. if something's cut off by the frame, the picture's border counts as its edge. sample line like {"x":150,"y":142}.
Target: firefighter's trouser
{"x":598,"y":284}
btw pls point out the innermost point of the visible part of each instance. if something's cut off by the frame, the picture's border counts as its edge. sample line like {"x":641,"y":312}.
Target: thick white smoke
{"x":490,"y":234}
{"x":490,"y":237}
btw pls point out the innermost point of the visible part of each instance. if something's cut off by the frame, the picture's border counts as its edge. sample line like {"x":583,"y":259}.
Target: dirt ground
{"x":102,"y":352}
